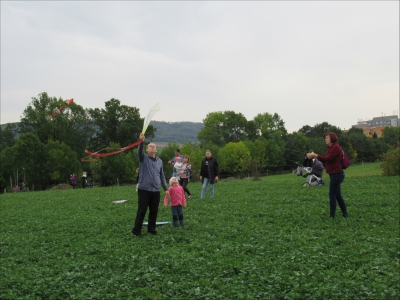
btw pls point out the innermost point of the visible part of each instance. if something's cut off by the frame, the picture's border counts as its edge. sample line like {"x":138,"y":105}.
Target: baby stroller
{"x":313,"y":173}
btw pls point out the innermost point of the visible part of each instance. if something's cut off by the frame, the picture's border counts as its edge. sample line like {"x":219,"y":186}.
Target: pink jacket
{"x":177,"y":195}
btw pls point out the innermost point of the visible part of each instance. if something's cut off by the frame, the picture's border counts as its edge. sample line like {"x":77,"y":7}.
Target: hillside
{"x":178,"y":132}
{"x":169,"y":132}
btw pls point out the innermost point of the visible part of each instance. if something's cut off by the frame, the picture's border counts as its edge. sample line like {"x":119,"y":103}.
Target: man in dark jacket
{"x":208,"y":174}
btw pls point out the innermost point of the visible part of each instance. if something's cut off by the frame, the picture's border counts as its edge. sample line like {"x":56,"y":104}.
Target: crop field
{"x":266,"y":239}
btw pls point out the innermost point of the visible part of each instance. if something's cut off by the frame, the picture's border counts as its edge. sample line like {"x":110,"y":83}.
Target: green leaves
{"x":267,"y":239}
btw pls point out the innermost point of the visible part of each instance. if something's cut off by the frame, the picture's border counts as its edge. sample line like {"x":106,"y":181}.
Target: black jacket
{"x":209,"y":169}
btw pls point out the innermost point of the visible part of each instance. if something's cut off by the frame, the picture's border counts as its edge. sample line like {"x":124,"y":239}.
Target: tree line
{"x":45,"y":152}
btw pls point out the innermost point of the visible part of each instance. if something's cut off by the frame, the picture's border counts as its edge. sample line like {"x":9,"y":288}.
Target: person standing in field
{"x":150,"y":181}
{"x":186,"y":175}
{"x":73,"y":180}
{"x":84,"y":180}
{"x":333,"y":167}
{"x":208,"y":174}
{"x":173,"y":161}
{"x":177,"y":200}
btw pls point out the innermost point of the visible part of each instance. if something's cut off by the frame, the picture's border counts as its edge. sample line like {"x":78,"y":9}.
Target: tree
{"x":252,"y":131}
{"x":71,"y":126}
{"x":7,"y":135}
{"x":319,"y":130}
{"x":391,"y":162}
{"x":306,"y":130}
{"x":267,"y":125}
{"x":108,"y":169}
{"x":274,"y":153}
{"x":391,"y":135}
{"x":29,"y":156}
{"x":362,"y":145}
{"x":7,"y":168}
{"x":234,"y":127}
{"x":116,"y":123}
{"x":258,"y":152}
{"x":296,"y":148}
{"x":234,"y":158}
{"x":35,"y":117}
{"x":221,"y":128}
{"x":62,"y":162}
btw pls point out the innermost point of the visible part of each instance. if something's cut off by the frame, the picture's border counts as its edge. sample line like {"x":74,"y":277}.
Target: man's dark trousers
{"x":150,"y":200}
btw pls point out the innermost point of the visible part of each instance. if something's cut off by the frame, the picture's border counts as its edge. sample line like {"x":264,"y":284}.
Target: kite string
{"x":98,"y":154}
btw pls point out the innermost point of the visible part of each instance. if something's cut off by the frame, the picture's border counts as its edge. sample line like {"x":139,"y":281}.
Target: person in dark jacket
{"x":333,"y":167}
{"x":208,"y":174}
{"x":84,"y":179}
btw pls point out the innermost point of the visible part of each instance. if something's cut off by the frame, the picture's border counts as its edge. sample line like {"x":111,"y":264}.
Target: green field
{"x":267,"y":239}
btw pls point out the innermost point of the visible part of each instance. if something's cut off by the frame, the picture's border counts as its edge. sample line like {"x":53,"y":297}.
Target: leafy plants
{"x":391,"y":162}
{"x":266,"y":239}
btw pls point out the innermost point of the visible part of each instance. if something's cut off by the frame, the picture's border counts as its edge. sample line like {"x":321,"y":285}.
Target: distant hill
{"x":169,"y":132}
{"x":176,"y":132}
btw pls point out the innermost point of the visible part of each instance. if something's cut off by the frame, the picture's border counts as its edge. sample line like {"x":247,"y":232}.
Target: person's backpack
{"x":345,"y":160}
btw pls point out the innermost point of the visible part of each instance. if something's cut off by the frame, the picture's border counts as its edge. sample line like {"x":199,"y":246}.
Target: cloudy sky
{"x":308,"y":61}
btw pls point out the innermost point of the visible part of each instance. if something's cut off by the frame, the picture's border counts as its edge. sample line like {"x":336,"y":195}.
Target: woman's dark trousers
{"x":184,"y":182}
{"x":335,"y":194}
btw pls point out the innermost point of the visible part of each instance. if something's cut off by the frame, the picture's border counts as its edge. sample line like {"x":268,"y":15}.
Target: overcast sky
{"x":308,"y":61}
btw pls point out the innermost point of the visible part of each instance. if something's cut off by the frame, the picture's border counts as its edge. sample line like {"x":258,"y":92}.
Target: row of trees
{"x":47,"y":151}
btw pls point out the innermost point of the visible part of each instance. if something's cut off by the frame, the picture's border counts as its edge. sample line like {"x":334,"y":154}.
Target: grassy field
{"x":267,"y":239}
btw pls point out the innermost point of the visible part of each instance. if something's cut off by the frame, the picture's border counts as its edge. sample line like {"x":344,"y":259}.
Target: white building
{"x":392,"y":121}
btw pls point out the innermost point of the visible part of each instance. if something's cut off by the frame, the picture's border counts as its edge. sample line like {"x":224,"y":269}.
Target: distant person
{"x":333,"y":167}
{"x":173,"y":161}
{"x":5,"y":190}
{"x":73,"y":180}
{"x":209,"y":174}
{"x":186,"y":175}
{"x":23,"y":187}
{"x":150,"y":181}
{"x":177,"y":199}
{"x":178,"y":167}
{"x":84,"y":179}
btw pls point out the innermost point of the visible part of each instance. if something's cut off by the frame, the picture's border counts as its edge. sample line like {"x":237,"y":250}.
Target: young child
{"x":177,"y":197}
{"x":177,"y":168}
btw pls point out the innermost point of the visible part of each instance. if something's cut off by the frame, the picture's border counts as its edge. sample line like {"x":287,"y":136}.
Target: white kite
{"x":149,"y":116}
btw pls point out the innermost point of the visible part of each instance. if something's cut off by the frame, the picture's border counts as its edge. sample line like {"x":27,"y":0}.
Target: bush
{"x":62,"y":186}
{"x":391,"y":161}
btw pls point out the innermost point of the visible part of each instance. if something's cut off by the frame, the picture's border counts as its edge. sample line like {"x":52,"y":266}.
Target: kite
{"x":57,"y":110}
{"x":120,"y":201}
{"x":158,"y":223}
{"x":99,"y":154}
{"x":149,"y":116}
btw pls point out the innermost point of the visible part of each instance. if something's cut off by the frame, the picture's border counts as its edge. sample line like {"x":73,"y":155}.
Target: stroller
{"x":313,"y":172}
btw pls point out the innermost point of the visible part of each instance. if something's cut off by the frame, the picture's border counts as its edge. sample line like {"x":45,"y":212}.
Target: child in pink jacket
{"x":177,"y":197}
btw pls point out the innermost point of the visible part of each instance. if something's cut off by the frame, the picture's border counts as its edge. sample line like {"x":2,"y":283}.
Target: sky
{"x":308,"y":61}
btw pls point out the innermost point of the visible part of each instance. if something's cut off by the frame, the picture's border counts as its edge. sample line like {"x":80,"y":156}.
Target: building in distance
{"x":377,"y":125}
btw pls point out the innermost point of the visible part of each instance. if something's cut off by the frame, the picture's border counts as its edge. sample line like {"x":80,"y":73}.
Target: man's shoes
{"x":190,"y":197}
{"x":153,"y":232}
